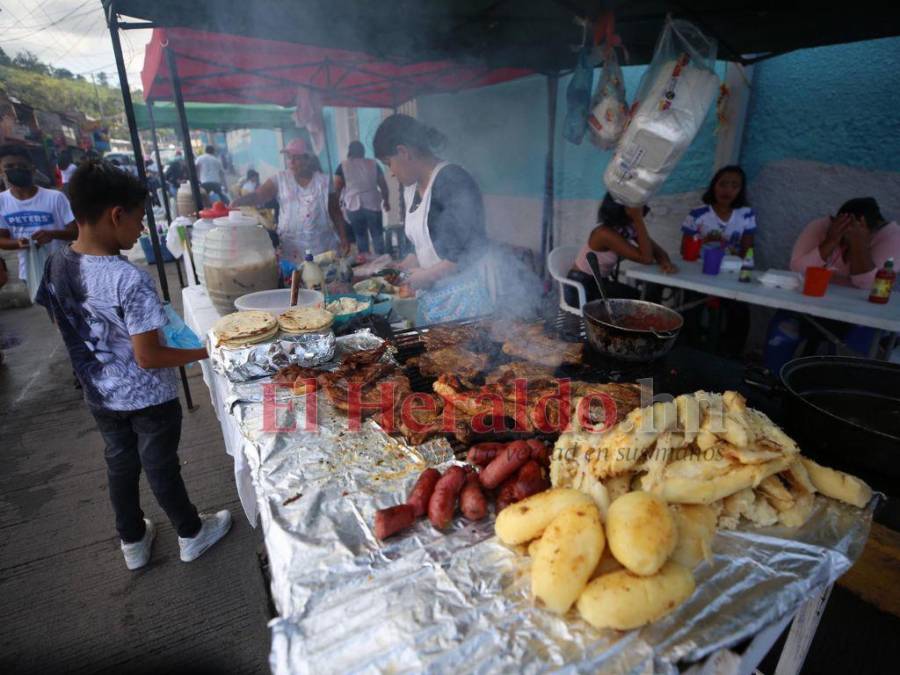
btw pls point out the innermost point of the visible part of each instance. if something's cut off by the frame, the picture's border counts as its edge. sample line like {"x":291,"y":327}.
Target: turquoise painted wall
{"x":838,"y":105}
{"x":499,"y":133}
{"x":369,"y":119}
{"x":257,"y":149}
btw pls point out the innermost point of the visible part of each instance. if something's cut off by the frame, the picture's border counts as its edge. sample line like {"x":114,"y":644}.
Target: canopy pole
{"x":547,"y":224}
{"x":183,"y":125}
{"x":162,"y":182}
{"x":112,"y":22}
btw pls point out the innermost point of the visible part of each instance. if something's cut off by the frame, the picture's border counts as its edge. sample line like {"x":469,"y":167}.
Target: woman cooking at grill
{"x":444,"y":221}
{"x":306,"y":206}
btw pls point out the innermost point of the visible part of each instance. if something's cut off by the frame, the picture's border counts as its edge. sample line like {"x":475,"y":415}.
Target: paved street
{"x":67,"y":602}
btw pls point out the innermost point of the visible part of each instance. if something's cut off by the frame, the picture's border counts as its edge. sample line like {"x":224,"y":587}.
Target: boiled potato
{"x":696,"y":525}
{"x":533,"y":547}
{"x":527,"y":519}
{"x":641,"y":532}
{"x":837,"y":484}
{"x":570,"y":549}
{"x":623,"y":600}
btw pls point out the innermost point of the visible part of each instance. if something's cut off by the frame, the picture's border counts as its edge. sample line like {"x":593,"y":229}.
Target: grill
{"x":564,"y":326}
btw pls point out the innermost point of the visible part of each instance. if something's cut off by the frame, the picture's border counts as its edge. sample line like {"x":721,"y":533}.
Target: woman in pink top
{"x":854,"y":244}
{"x":621,"y":233}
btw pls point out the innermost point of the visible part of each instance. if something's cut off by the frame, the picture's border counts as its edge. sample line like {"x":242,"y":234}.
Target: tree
{"x":29,"y":61}
{"x":4,"y":58}
{"x":102,"y":79}
{"x":63,"y":74}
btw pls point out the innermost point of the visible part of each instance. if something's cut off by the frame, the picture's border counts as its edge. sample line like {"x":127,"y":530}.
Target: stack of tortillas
{"x":299,"y":320}
{"x":244,"y":328}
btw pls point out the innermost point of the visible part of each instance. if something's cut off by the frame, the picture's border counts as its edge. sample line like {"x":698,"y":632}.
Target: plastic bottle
{"x":312,"y":275}
{"x":746,"y":274}
{"x":884,"y":282}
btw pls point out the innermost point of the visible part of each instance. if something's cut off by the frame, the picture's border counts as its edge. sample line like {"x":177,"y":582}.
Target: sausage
{"x":482,"y":453}
{"x":472,"y":501}
{"x":442,"y":504}
{"x":505,"y":464}
{"x":393,"y":519}
{"x":539,"y":451}
{"x":422,"y":490}
{"x":505,"y":495}
{"x":530,"y":480}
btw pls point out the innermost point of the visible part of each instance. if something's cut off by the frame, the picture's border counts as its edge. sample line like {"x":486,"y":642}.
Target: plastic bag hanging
{"x":609,"y":110}
{"x":578,"y":97}
{"x":34,"y":269}
{"x":671,"y":104}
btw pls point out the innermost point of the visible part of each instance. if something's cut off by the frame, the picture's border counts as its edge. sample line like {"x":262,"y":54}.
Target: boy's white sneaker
{"x":214,"y":527}
{"x":137,"y":554}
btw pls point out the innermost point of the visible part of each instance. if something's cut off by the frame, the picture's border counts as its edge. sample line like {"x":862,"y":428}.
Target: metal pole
{"x":183,"y":124}
{"x":547,"y":223}
{"x":112,"y":21}
{"x":162,"y":181}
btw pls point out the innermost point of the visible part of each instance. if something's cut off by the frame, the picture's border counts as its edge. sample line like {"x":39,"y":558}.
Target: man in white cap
{"x":305,"y":203}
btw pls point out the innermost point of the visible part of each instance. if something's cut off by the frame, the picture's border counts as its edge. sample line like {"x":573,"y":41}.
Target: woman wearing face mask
{"x":31,"y":217}
{"x":444,"y":220}
{"x":726,"y":216}
{"x":307,"y":207}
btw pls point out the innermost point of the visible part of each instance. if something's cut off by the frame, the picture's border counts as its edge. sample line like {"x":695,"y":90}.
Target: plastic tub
{"x":147,"y":247}
{"x":278,"y":300}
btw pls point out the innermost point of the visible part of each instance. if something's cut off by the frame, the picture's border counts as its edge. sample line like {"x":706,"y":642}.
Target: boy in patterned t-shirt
{"x":109,"y":315}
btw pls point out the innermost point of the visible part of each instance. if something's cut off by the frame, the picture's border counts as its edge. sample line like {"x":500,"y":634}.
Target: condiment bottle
{"x":884,"y":282}
{"x":312,"y":274}
{"x":746,"y":274}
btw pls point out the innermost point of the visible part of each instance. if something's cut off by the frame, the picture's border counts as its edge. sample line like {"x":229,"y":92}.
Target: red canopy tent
{"x":222,"y":68}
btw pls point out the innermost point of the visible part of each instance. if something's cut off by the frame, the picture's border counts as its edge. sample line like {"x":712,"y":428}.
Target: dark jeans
{"x":363,"y":223}
{"x":145,"y":438}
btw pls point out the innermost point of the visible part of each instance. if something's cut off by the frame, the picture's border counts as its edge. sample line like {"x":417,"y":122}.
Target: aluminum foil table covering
{"x":430,"y":601}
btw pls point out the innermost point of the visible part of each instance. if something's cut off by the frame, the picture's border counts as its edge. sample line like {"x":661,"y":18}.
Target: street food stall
{"x":599,"y":527}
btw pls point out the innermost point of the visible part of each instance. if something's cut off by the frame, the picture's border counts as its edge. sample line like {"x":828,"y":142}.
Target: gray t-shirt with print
{"x":98,"y":303}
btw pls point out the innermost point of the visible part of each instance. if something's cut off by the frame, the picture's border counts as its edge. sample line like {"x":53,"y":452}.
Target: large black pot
{"x":641,"y":331}
{"x":848,"y":410}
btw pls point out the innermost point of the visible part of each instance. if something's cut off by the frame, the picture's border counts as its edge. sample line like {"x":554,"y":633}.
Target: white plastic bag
{"x":609,"y":111}
{"x":671,"y":103}
{"x":34,"y":267}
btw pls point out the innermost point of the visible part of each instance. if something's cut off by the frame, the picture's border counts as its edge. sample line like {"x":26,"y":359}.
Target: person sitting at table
{"x":854,"y":244}
{"x":620,"y":233}
{"x":725,"y":215}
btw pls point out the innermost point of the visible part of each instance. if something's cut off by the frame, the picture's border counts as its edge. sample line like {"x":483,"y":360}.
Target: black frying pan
{"x":847,"y":411}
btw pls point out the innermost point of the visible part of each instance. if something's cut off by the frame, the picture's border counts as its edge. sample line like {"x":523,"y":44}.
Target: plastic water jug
{"x":201,"y":228}
{"x":238,"y":258}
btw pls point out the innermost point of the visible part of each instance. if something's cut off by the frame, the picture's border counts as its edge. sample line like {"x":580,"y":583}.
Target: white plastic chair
{"x":560,"y":261}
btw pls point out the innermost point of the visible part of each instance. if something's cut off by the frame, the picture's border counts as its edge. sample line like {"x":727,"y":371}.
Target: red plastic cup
{"x":815,"y":282}
{"x":691,"y":249}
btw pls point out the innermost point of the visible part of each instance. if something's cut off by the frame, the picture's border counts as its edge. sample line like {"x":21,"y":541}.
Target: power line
{"x":49,"y":25}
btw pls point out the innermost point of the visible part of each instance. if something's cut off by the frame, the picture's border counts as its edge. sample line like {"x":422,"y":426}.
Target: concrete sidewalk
{"x":67,"y":602}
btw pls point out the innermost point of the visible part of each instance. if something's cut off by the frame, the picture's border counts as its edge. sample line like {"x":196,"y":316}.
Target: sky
{"x":69,"y":34}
